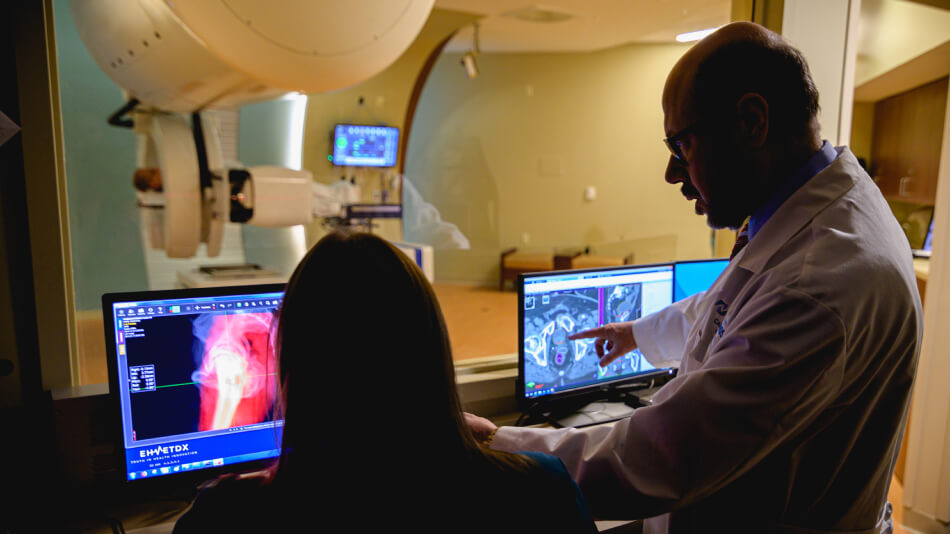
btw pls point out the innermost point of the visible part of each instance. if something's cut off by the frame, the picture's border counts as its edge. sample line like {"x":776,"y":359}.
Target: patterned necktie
{"x":741,"y":240}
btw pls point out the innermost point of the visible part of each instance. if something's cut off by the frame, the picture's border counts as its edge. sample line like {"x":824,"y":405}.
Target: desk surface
{"x":922,"y":268}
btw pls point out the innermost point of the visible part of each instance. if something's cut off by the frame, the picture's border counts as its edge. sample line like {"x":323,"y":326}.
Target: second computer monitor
{"x":554,"y":305}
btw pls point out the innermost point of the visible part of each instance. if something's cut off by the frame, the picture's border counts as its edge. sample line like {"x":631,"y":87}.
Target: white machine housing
{"x":186,"y":56}
{"x":190,"y":55}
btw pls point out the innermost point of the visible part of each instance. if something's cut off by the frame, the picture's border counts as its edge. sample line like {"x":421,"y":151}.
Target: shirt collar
{"x":817,"y":163}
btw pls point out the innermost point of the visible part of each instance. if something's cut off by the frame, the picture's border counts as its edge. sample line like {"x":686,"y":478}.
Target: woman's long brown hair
{"x":365,"y":367}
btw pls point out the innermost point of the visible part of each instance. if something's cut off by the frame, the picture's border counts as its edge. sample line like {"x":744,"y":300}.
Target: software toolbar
{"x":133,"y":309}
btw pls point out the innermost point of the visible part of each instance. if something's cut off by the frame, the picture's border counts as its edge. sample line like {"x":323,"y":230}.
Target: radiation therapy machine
{"x":176,"y":61}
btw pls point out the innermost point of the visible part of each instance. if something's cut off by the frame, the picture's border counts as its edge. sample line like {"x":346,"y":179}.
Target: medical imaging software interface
{"x":558,"y":305}
{"x":365,"y":146}
{"x":197,"y":382}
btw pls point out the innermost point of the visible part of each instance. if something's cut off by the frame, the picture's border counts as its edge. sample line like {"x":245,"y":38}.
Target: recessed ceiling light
{"x":539,"y":14}
{"x":696,"y":35}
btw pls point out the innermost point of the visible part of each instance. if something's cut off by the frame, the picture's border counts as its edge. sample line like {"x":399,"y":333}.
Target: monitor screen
{"x":554,"y":305}
{"x":356,"y":145}
{"x":928,"y":241}
{"x":691,"y":277}
{"x":194,"y":375}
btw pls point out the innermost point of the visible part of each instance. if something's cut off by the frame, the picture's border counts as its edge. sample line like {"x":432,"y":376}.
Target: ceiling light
{"x":696,"y":35}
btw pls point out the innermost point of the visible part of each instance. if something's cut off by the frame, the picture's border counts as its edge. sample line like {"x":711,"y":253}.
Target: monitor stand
{"x":617,"y":404}
{"x":596,"y":413}
{"x":610,"y":404}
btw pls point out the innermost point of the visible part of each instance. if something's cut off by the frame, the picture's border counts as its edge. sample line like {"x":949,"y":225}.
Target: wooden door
{"x":905,"y":147}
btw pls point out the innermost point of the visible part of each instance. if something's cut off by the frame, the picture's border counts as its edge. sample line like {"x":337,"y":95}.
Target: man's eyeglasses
{"x":675,"y":141}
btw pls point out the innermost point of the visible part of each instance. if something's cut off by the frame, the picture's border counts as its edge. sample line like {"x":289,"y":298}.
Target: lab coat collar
{"x":800,"y":208}
{"x":825,"y":156}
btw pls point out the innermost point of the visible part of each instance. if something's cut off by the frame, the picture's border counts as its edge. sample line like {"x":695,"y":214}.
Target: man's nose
{"x":675,"y":171}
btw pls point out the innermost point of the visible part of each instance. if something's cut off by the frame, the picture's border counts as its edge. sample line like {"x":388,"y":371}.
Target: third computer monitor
{"x":691,"y":277}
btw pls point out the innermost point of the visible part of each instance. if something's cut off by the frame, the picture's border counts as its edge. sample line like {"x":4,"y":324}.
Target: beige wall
{"x":386,"y":98}
{"x":895,"y":31}
{"x":507,"y":156}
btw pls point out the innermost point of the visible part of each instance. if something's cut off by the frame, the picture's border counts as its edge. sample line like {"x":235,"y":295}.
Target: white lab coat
{"x":794,"y":382}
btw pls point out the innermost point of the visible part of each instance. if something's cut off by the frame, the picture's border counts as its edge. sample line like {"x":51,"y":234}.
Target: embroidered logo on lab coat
{"x":721,"y":308}
{"x":707,"y":337}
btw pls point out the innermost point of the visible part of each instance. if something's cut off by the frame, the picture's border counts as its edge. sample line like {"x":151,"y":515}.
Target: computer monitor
{"x":193,"y":375}
{"x":691,"y":277}
{"x":553,"y":305}
{"x":359,"y":145}
{"x":925,"y":251}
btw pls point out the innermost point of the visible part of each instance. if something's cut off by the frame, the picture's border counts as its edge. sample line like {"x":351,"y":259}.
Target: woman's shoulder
{"x":550,"y":473}
{"x":547,"y":463}
{"x":539,"y":466}
{"x":547,"y":489}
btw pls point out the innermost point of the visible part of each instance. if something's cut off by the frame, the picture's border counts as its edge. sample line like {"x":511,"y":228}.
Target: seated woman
{"x":374,"y":436}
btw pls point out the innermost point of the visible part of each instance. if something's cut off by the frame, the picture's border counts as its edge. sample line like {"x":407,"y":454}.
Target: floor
{"x":481,"y":321}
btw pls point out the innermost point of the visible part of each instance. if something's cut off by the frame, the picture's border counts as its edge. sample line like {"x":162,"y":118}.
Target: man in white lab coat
{"x":796,"y":366}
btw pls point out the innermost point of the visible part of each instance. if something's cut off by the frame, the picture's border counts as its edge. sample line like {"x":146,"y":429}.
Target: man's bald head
{"x":740,"y":113}
{"x":738,"y":59}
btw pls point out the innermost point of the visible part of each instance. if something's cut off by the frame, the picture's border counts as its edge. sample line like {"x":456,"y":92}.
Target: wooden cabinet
{"x":905,"y":149}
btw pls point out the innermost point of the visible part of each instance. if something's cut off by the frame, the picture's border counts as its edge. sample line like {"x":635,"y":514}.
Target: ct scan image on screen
{"x":554,"y":360}
{"x":560,"y":304}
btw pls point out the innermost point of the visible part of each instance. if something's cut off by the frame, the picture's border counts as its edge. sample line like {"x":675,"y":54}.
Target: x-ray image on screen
{"x":234,"y":369}
{"x":200,"y":372}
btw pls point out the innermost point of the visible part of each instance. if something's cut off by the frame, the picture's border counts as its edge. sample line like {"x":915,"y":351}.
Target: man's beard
{"x":724,"y":215}
{"x":726,"y":212}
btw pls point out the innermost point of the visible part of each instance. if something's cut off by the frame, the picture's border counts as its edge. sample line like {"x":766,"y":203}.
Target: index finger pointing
{"x":593,"y":332}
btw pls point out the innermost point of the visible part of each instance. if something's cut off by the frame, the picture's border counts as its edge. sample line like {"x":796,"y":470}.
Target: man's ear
{"x":753,"y":112}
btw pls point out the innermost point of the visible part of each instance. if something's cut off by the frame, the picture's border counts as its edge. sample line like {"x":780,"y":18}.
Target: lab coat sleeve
{"x":775,"y":368}
{"x":661,"y":336}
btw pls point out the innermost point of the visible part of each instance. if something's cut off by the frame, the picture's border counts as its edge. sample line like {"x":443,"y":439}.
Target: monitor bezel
{"x":333,"y":145}
{"x":182,"y":479}
{"x":574,"y":395}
